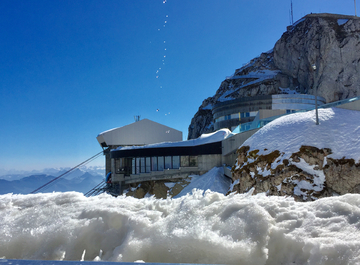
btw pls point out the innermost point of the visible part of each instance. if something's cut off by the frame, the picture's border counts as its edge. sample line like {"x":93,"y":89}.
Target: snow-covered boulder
{"x":294,"y":156}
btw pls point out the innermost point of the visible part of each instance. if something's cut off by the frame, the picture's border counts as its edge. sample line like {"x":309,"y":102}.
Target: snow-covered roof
{"x":203,"y":139}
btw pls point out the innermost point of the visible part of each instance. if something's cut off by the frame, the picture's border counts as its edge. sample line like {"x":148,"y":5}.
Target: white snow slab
{"x":339,"y":130}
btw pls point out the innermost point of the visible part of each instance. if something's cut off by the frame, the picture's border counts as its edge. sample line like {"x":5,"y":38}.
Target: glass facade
{"x":142,"y":164}
{"x":159,"y":163}
{"x":148,"y":165}
{"x":176,"y":162}
{"x":238,"y":116}
{"x":154,"y":163}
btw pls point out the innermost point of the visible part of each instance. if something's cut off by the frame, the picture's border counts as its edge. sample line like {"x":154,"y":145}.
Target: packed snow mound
{"x":196,"y":228}
{"x":338,"y":129}
{"x":203,"y":139}
{"x":214,"y":180}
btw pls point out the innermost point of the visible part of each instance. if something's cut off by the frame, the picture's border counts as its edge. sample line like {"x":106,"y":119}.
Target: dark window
{"x":160,"y":163}
{"x":176,"y":162}
{"x":154,"y":163}
{"x":147,"y":165}
{"x":133,"y":166}
{"x":142,"y":165}
{"x":168,"y":162}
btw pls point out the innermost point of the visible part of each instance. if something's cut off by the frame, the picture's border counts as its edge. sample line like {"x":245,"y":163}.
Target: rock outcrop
{"x":330,"y":42}
{"x":309,"y":174}
{"x":158,"y":188}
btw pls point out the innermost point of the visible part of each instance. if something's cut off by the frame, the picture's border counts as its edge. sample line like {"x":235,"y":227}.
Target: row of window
{"x":156,"y":163}
{"x":238,"y":115}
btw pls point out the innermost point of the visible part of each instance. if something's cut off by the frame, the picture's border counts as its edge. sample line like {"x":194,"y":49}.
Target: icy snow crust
{"x":197,"y":228}
{"x":339,"y":130}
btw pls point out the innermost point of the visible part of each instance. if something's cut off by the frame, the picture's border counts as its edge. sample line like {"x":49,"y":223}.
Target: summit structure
{"x":329,"y":42}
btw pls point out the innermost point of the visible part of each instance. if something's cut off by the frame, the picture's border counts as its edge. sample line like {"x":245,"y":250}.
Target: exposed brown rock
{"x":158,"y":188}
{"x":341,"y":175}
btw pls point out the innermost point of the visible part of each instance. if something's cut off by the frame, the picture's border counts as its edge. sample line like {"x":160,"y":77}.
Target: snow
{"x":339,"y":130}
{"x":170,"y":184}
{"x":201,"y":227}
{"x":342,"y":21}
{"x":214,"y":180}
{"x":259,"y":75}
{"x":224,"y":97}
{"x":203,"y":139}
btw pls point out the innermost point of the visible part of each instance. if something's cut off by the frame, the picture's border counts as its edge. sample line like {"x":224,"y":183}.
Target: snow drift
{"x":196,"y":228}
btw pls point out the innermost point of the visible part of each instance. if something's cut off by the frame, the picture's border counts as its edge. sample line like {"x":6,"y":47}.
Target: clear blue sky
{"x":71,"y":69}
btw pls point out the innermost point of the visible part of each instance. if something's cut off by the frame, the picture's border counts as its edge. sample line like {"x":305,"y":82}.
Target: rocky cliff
{"x":330,"y":42}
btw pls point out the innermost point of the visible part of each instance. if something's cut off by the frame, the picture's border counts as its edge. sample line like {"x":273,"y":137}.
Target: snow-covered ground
{"x":196,"y":228}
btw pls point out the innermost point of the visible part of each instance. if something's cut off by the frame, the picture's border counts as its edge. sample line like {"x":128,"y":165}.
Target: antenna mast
{"x":137,"y":118}
{"x":292,"y":14}
{"x":355,"y":7}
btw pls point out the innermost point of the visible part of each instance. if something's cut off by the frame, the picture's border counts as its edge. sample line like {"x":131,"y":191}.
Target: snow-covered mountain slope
{"x":82,"y":183}
{"x":13,"y":174}
{"x":294,"y":156}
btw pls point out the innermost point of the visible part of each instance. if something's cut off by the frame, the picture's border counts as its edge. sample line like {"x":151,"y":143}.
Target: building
{"x":229,"y":114}
{"x":139,"y":162}
{"x":166,"y":160}
{"x":142,"y":132}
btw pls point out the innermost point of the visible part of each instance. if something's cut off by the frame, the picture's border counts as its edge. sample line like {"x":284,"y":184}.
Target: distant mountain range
{"x":80,"y":180}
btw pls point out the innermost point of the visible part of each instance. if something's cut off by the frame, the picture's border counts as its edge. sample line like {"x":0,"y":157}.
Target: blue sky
{"x":72,"y":69}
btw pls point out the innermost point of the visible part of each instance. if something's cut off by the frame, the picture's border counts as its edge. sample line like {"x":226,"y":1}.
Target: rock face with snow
{"x":294,"y":157}
{"x":337,"y":176}
{"x":331,"y":42}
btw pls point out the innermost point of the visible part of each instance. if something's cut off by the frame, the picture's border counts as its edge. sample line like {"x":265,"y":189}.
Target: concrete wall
{"x":266,"y":113}
{"x":207,"y":162}
{"x":231,"y":145}
{"x":354,"y":105}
